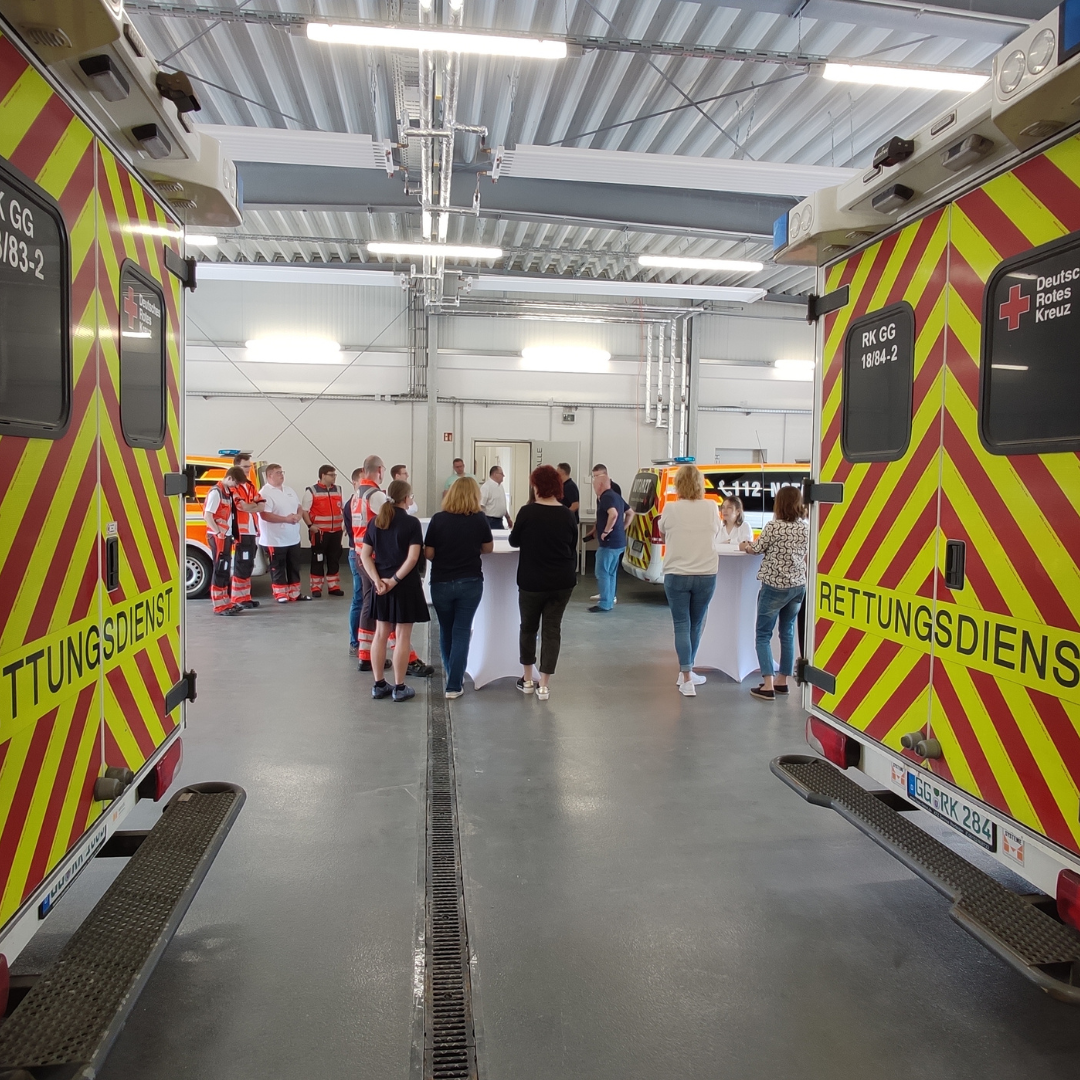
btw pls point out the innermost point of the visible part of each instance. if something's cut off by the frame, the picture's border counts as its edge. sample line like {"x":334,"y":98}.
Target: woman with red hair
{"x":546,"y":534}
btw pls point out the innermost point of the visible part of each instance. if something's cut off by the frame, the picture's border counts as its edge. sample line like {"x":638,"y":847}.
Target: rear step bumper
{"x":67,"y":1023}
{"x":1038,"y":946}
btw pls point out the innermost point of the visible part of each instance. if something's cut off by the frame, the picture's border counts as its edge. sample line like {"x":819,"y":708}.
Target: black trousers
{"x":326,"y":554}
{"x":244,"y":563}
{"x":222,"y":546}
{"x":543,"y":612}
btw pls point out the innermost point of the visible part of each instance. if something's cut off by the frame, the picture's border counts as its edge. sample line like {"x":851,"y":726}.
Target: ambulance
{"x":198,"y":558}
{"x":654,"y":487}
{"x":943,"y":675}
{"x":100,"y":173}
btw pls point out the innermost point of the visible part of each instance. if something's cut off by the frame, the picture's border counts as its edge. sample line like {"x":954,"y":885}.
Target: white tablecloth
{"x":493,"y":653}
{"x":727,"y":643}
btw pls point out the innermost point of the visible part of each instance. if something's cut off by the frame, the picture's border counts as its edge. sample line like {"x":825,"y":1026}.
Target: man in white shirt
{"x":279,"y":533}
{"x":493,"y":499}
{"x":401,"y":472}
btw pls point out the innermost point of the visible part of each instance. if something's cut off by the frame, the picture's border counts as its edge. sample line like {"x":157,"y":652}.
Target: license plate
{"x":637,"y":547}
{"x":961,"y":815}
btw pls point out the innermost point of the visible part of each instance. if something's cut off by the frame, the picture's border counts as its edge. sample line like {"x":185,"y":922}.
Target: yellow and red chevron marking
{"x":49,"y":517}
{"x":1017,"y":747}
{"x":130,"y":228}
{"x":883,"y":534}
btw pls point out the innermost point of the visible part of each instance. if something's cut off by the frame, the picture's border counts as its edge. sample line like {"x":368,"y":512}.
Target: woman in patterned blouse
{"x":785,"y":542}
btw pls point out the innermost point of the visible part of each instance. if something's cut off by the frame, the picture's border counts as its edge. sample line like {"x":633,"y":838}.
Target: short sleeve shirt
{"x":617,"y":537}
{"x":456,"y":539}
{"x":391,"y":545}
{"x":282,"y":501}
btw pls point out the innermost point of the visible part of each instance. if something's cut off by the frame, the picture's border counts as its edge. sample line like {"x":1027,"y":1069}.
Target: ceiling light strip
{"x":402,"y":37}
{"x":904,"y":78}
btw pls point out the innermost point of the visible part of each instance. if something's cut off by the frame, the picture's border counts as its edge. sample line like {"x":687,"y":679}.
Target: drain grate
{"x":449,"y":1043}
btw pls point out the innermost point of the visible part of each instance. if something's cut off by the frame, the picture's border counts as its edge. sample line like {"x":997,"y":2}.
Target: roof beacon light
{"x":403,"y":37}
{"x":672,"y":262}
{"x":908,"y":78}
{"x":447,"y":251}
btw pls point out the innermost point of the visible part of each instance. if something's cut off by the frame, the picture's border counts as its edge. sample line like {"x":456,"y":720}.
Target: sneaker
{"x":777,"y":689}
{"x":353,"y":650}
{"x":232,"y":609}
{"x":314,"y":593}
{"x":695,"y":678}
{"x":282,"y":599}
{"x":418,"y":669}
{"x":249,"y":604}
{"x":687,"y":689}
{"x":765,"y":695}
{"x":365,"y":665}
{"x":381,"y":689}
{"x":543,"y":693}
{"x":403,"y":693}
{"x":597,"y":597}
{"x":454,"y":693}
{"x":597,"y":609}
{"x":305,"y":597}
{"x":337,"y":592}
{"x":526,"y":686}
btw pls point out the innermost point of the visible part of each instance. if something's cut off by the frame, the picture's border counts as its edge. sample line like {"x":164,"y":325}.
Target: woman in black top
{"x":456,"y":538}
{"x":546,"y":533}
{"x":390,"y":555}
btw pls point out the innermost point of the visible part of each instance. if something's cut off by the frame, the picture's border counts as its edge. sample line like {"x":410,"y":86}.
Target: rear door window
{"x":643,"y":492}
{"x":142,"y":359}
{"x":35,"y":323}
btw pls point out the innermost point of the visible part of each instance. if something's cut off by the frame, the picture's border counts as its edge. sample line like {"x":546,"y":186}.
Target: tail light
{"x":833,"y":745}
{"x":160,"y":778}
{"x":656,"y":536}
{"x":1068,"y":897}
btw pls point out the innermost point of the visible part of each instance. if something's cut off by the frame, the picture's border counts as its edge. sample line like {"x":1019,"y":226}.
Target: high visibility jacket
{"x":360,"y":508}
{"x":243,"y":521}
{"x":325,"y":512}
{"x":222,"y":514}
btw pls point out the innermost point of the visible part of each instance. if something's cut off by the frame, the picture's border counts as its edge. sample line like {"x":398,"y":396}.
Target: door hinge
{"x":181,"y":483}
{"x":813,"y":492}
{"x":819,"y":677}
{"x":184,"y":269}
{"x":816,"y":306}
{"x":184,"y":690}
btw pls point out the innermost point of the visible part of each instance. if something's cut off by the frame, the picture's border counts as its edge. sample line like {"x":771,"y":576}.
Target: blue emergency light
{"x":780,"y":233}
{"x":1069,"y":37}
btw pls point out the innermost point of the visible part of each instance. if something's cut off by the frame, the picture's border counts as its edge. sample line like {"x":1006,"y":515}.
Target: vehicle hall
{"x":539,"y":540}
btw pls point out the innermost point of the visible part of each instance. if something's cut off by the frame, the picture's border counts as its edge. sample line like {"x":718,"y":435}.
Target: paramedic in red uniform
{"x":322,"y":513}
{"x":245,"y":529}
{"x":218,"y":512}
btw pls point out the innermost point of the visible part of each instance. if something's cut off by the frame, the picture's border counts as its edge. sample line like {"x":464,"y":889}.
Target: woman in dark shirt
{"x":456,"y":538}
{"x":546,"y":533}
{"x":390,"y":555}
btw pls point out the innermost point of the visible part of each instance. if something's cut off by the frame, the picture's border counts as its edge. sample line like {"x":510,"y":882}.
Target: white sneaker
{"x":597,"y":597}
{"x":543,"y":693}
{"x":454,"y":693}
{"x":695,"y":678}
{"x":687,"y":689}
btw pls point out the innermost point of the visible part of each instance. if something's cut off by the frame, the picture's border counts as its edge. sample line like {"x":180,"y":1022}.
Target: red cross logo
{"x":131,"y":309}
{"x":1014,"y":307}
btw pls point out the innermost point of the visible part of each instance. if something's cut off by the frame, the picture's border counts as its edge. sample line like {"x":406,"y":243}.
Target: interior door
{"x":880,"y":437}
{"x":514,"y":459}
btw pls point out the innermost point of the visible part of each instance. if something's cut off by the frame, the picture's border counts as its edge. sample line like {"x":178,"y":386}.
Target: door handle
{"x":112,"y":563}
{"x":955,"y":563}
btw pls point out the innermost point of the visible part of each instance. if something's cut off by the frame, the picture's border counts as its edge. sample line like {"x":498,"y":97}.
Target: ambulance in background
{"x":944,"y":593}
{"x":654,"y":487}
{"x":199,"y":560}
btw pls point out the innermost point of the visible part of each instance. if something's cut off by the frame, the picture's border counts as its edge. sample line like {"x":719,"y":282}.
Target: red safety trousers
{"x":243,"y":530}
{"x":326,"y":525}
{"x":221,"y":547}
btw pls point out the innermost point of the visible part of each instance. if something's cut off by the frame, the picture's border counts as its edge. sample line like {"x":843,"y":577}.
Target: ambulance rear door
{"x":140,"y":325}
{"x":874,"y":554}
{"x":1006,"y":682}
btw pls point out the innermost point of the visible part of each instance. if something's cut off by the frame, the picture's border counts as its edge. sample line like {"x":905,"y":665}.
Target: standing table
{"x":493,"y":653}
{"x":727,"y":642}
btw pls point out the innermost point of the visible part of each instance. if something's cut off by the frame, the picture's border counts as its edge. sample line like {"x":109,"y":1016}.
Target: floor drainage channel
{"x":449,"y":1038}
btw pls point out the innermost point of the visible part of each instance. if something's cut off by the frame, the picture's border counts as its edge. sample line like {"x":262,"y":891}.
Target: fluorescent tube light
{"x":795,"y":370}
{"x":671,"y":262}
{"x":136,"y":333}
{"x":201,"y":241}
{"x":1009,"y":367}
{"x":911,"y":78}
{"x":577,"y":358}
{"x":293,"y":350}
{"x":402,"y":37}
{"x":447,"y":251}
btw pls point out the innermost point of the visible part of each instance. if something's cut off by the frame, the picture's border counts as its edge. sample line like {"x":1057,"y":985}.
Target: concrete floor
{"x":644,"y":898}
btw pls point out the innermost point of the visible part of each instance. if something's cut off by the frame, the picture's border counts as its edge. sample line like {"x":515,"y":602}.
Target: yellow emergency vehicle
{"x":93,"y":683}
{"x":945,"y":588}
{"x":654,"y":487}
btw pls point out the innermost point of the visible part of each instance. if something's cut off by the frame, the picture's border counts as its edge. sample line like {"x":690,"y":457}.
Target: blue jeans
{"x":455,"y":603}
{"x":688,"y":596}
{"x":771,"y":605}
{"x":357,"y":599}
{"x":607,"y":569}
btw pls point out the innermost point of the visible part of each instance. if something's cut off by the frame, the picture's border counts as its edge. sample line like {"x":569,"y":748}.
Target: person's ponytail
{"x":396,"y":493}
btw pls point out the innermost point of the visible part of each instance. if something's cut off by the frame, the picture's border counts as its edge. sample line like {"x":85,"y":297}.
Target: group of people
{"x":695,"y":531}
{"x":387,"y":551}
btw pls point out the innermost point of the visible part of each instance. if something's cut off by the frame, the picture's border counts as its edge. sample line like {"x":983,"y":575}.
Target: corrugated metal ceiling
{"x":253,"y":74}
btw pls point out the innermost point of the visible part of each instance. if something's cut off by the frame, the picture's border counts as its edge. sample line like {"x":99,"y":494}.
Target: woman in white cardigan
{"x":690,"y":525}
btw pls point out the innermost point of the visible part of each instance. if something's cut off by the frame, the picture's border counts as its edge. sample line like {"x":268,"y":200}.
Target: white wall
{"x":479,"y":359}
